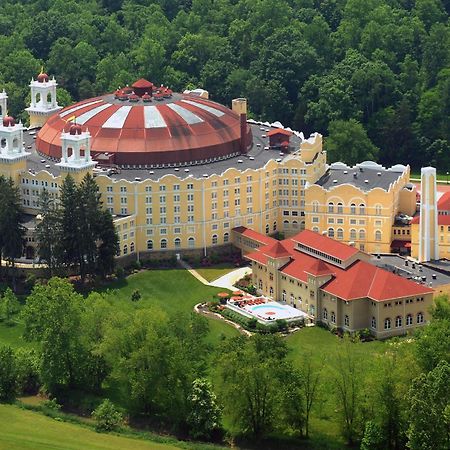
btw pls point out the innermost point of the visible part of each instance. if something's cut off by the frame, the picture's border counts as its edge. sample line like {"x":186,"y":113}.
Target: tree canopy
{"x":306,"y":63}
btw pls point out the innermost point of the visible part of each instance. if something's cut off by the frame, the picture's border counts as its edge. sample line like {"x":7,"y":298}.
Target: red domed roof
{"x":75,"y":129}
{"x":8,"y":121}
{"x":42,"y":78}
{"x":180,"y":129}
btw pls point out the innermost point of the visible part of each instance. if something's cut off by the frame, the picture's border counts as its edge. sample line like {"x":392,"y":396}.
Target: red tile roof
{"x":276,"y":250}
{"x":254,"y":235}
{"x":360,"y":280}
{"x":325,"y":244}
{"x":444,"y":202}
{"x":363,"y":280}
{"x":443,"y":219}
{"x":319,"y":268}
{"x":279,"y":131}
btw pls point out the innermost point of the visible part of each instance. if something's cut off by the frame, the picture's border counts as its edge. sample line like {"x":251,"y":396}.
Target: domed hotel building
{"x":179,"y":171}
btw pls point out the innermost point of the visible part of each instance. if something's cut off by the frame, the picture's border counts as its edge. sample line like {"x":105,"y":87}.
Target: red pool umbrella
{"x":236,"y":298}
{"x":237,"y":293}
{"x":223,"y":294}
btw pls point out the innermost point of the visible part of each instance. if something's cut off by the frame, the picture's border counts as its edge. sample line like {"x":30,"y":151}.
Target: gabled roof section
{"x":254,"y":235}
{"x":363,"y":280}
{"x":279,"y":131}
{"x":319,"y":268}
{"x":276,"y":251}
{"x":325,"y":245}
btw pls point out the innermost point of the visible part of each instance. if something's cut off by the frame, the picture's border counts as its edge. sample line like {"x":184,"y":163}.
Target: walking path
{"x":226,"y":281}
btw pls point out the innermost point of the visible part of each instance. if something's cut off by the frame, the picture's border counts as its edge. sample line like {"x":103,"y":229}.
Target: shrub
{"x":252,"y":323}
{"x":107,"y":416}
{"x":8,"y":374}
{"x":136,"y":295}
{"x":51,"y":404}
{"x":120,"y":272}
{"x":281,"y":325}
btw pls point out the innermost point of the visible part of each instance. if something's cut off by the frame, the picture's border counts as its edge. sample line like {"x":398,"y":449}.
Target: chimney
{"x":239,"y":106}
{"x":428,"y":226}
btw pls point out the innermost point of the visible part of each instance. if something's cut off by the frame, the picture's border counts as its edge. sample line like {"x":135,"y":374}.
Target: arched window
{"x":260,"y":284}
{"x":315,"y":207}
{"x":325,"y":314}
{"x":132,"y":247}
{"x":352,"y":234}
{"x":292,"y":298}
{"x":346,"y":320}
{"x":340,"y":233}
{"x":283,"y":296}
{"x":420,"y":317}
{"x":315,"y":229}
{"x":149,"y":245}
{"x":274,"y":226}
{"x":331,"y":207}
{"x":378,"y":210}
{"x":340,"y":208}
{"x":362,"y":235}
{"x":226,"y":237}
{"x":214,"y":239}
{"x":302,"y":225}
{"x":294,"y":224}
{"x":125,"y":249}
{"x":398,"y":321}
{"x":163,"y":243}
{"x":333,"y":317}
{"x":378,"y":235}
{"x":177,"y":242}
{"x":286,"y":223}
{"x":362,"y":209}
{"x":387,"y":324}
{"x":352,"y":208}
{"x":331,"y":232}
{"x":409,"y":320}
{"x":191,"y":242}
{"x":373,"y":323}
{"x":271,"y":291}
{"x":267,"y":229}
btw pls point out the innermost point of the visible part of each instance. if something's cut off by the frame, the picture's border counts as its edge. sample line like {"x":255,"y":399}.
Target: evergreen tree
{"x":70,"y":224}
{"x":11,"y":230}
{"x":48,"y":233}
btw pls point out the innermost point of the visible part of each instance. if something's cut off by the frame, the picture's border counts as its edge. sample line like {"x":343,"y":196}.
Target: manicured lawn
{"x":174,"y":291}
{"x":27,"y":430}
{"x":212,"y":273}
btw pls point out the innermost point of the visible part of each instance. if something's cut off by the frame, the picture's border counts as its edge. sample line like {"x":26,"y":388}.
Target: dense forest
{"x":373,"y":73}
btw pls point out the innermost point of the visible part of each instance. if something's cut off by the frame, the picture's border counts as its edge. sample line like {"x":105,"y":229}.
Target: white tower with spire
{"x":428,"y":227}
{"x":76,"y":150}
{"x":43,"y":100}
{"x":3,"y":104}
{"x":13,"y":157}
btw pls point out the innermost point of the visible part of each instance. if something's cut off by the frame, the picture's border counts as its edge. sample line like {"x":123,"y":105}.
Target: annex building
{"x":179,"y":171}
{"x":338,"y":284}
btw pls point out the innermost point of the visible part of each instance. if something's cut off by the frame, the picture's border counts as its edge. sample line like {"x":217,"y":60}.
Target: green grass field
{"x":27,"y":430}
{"x":212,"y":273}
{"x":177,"y":291}
{"x":174,"y":291}
{"x":440,"y":176}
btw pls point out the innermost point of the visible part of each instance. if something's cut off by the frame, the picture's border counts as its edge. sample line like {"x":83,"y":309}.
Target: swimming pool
{"x":268,"y":311}
{"x":274,"y":311}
